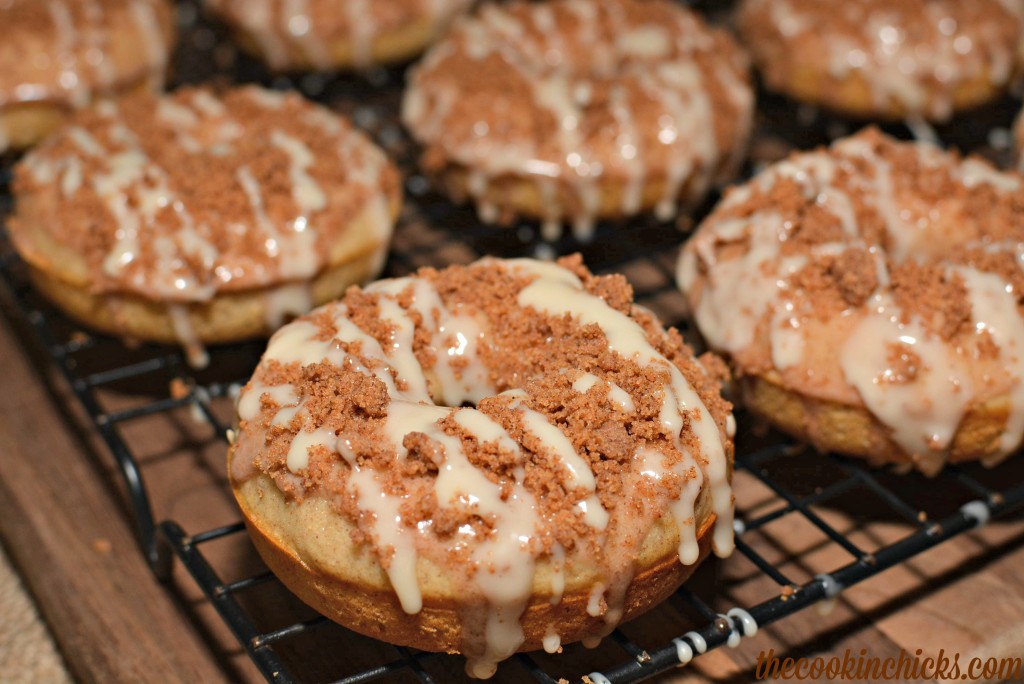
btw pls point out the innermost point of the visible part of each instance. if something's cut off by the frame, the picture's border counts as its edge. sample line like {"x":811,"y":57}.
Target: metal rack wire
{"x":433,"y":232}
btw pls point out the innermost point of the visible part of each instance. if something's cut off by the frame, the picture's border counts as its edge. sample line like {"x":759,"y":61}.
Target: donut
{"x":578,"y":110}
{"x":61,"y":55}
{"x":918,"y":59}
{"x":867,"y":296}
{"x":200,"y":218}
{"x":335,"y":34}
{"x":490,"y":458}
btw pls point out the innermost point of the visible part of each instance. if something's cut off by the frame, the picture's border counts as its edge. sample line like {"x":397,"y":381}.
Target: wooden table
{"x":64,"y":520}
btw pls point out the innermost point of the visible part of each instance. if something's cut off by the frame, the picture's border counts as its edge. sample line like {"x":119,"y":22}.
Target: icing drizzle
{"x":744,"y":280}
{"x":246,"y":226}
{"x":912,"y":57}
{"x":78,"y":61}
{"x":296,"y":33}
{"x":500,"y":565}
{"x":645,"y":108}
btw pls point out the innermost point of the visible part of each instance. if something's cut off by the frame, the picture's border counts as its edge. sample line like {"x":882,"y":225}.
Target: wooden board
{"x":64,"y":520}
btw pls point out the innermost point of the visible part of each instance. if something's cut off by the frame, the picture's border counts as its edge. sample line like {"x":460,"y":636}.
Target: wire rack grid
{"x":798,"y":483}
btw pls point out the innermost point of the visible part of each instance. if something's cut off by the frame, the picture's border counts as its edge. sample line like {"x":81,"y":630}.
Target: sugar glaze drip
{"x":751,"y":291}
{"x":504,"y":563}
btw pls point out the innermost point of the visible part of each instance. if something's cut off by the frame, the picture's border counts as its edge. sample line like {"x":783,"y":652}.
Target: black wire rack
{"x":797,"y":482}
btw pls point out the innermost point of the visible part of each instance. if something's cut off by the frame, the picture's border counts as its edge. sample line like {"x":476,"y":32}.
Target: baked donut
{"x":868,"y":297}
{"x":197,"y":217}
{"x":878,"y":59}
{"x":60,"y":55}
{"x":333,"y":34}
{"x":584,"y":478}
{"x":575,"y":110}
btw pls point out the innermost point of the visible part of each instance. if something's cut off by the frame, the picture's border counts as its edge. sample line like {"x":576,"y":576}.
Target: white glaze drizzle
{"x":684,"y":652}
{"x":923,"y":414}
{"x":308,"y":194}
{"x":658,"y":60}
{"x":557,"y":574}
{"x":81,"y":54}
{"x":921,"y":76}
{"x":299,"y":28}
{"x":748,"y":625}
{"x":391,"y":534}
{"x":505,"y":561}
{"x":596,"y":606}
{"x":740,"y":294}
{"x":258,"y":18}
{"x":195,"y":352}
{"x":619,"y":397}
{"x":249,"y":402}
{"x":292,"y":33}
{"x":144,"y":15}
{"x":362,"y":30}
{"x":293,"y":299}
{"x":456,"y":337}
{"x":557,"y":291}
{"x":552,"y":642}
{"x":139,"y":195}
{"x":580,"y":474}
{"x":995,"y":313}
{"x":683,"y":508}
{"x":96,"y":53}
{"x":70,"y":79}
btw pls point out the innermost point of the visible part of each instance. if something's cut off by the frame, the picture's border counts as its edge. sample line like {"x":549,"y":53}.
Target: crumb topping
{"x":181,"y":196}
{"x":64,"y":50}
{"x":532,"y":362}
{"x":292,"y":34}
{"x":519,"y":89}
{"x":875,"y":273}
{"x":913,"y":56}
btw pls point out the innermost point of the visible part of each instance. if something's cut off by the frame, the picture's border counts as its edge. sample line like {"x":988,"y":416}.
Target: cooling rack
{"x":280,"y":635}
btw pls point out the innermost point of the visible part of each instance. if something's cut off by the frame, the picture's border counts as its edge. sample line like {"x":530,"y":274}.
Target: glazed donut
{"x":867,"y":296}
{"x":333,"y":34}
{"x":923,"y":59}
{"x":201,"y":218}
{"x":60,"y":55}
{"x":588,"y":476}
{"x":575,"y":110}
